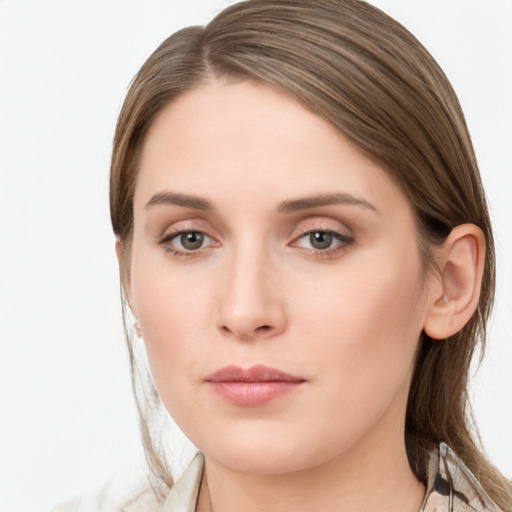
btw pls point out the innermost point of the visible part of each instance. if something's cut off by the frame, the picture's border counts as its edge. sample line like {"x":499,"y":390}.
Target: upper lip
{"x":257,"y":373}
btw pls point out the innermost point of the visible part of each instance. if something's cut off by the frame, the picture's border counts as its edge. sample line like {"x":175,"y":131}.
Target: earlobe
{"x":119,"y":251}
{"x":455,"y":292}
{"x":125,"y":282}
{"x":122,"y":265}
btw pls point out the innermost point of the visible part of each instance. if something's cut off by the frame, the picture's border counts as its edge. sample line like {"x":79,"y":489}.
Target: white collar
{"x":184,"y":493}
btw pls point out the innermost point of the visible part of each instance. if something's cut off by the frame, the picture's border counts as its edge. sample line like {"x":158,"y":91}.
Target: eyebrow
{"x":184,"y":200}
{"x":290,"y":205}
{"x":306,"y":203}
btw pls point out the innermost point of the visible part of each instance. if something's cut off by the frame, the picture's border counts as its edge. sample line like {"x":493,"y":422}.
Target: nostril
{"x":247,"y":334}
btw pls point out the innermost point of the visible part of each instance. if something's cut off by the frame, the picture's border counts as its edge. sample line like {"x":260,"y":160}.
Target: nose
{"x":251,"y":298}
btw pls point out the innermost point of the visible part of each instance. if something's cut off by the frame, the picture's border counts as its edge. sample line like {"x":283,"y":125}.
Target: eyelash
{"x":167,"y":239}
{"x":344,"y":242}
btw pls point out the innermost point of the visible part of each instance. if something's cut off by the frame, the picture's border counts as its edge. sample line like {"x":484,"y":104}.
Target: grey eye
{"x":320,"y":239}
{"x":192,"y":240}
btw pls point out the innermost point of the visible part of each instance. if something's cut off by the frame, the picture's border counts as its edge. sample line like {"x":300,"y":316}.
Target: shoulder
{"x":133,"y":493}
{"x":119,"y":495}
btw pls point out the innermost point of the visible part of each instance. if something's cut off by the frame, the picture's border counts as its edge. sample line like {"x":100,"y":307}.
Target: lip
{"x":252,"y":387}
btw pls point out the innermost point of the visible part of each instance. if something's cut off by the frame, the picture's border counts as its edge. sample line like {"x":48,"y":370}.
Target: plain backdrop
{"x":67,"y":419}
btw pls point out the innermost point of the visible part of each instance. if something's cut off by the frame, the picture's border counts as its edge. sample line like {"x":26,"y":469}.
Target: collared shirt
{"x":451,"y":487}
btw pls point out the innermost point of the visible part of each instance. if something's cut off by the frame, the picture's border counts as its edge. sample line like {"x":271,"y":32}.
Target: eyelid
{"x":183,"y":225}
{"x":341,"y":232}
{"x":175,"y":230}
{"x":340,"y":236}
{"x":167,"y":242}
{"x":322,"y":223}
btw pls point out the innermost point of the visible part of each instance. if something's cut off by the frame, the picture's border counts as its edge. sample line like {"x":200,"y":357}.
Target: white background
{"x":67,"y":419}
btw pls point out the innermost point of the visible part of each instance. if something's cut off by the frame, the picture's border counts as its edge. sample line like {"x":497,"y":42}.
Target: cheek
{"x":174,"y":314}
{"x":366,"y":324}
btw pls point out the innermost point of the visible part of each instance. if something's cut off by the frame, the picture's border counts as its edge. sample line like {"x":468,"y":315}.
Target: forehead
{"x":236,"y":140}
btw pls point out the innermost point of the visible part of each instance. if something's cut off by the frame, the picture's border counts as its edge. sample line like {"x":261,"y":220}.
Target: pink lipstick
{"x":252,"y":387}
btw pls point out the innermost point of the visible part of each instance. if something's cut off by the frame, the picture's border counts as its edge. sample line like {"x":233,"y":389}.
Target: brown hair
{"x":364,"y":73}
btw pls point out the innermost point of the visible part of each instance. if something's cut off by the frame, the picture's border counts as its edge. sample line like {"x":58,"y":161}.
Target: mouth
{"x":252,"y":387}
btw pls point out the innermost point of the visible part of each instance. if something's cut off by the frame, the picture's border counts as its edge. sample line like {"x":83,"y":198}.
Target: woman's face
{"x":276,"y":278}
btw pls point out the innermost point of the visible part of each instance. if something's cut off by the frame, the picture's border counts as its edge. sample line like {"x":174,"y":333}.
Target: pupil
{"x":192,"y":241}
{"x":320,"y":240}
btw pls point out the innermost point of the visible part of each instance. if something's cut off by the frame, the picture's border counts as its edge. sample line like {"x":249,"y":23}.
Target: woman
{"x":305,"y":247}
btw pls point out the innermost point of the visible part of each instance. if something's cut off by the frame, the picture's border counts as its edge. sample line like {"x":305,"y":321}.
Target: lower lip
{"x":254,"y":394}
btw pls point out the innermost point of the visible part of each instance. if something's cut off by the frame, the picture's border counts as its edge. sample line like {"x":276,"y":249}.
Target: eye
{"x":190,"y":241}
{"x":320,"y":239}
{"x":323,"y":241}
{"x":186,"y":242}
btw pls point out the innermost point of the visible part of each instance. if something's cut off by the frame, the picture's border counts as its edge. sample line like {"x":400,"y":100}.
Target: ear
{"x":119,"y":251}
{"x":455,"y":292}
{"x":125,"y":283}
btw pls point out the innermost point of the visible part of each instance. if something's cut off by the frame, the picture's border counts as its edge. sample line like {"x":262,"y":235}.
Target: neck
{"x":363,"y":479}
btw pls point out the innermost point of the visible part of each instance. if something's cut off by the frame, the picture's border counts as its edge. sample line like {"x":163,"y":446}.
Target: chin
{"x":261,"y":451}
{"x":266,"y":460}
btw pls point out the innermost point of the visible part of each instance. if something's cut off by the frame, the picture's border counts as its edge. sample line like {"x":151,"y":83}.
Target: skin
{"x":346,"y":319}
